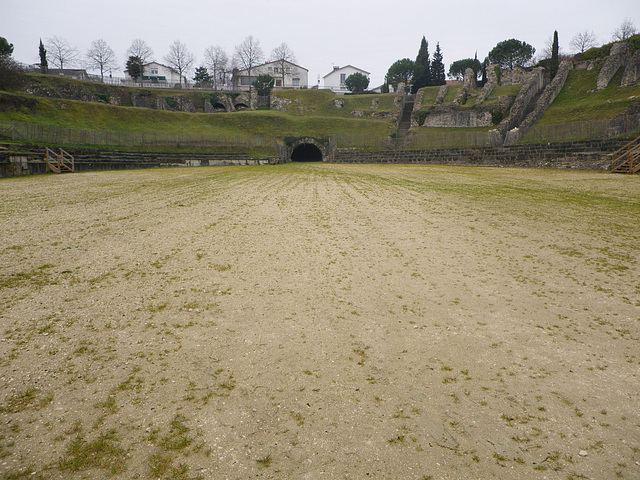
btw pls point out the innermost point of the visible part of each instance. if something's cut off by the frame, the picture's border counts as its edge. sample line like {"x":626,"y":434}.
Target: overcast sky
{"x":369,"y":35}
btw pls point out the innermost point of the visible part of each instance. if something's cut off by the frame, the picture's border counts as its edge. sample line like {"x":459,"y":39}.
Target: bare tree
{"x":141,"y":53}
{"x":218,"y":63}
{"x":140,"y":49}
{"x":101,"y":57}
{"x":248,"y":55}
{"x":283,"y":56}
{"x":583,"y":41}
{"x":547,"y":51}
{"x":625,"y":30}
{"x":61,"y":53}
{"x":180,"y":58}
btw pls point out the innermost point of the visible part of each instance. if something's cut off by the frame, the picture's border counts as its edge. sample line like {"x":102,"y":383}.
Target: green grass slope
{"x":579,"y":102}
{"x":316,"y":113}
{"x":96,"y":116}
{"x":323,"y":103}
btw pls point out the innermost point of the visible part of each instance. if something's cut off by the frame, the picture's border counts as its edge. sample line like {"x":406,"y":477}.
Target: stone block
{"x":631,"y":71}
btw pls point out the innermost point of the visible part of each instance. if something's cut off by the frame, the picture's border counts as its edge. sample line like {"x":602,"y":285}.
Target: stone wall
{"x":631,"y":71}
{"x":616,"y":59}
{"x":517,"y":76}
{"x":468,"y":85}
{"x":417,"y":106}
{"x":442,"y":92}
{"x":444,"y":116}
{"x":488,"y":87}
{"x":31,"y":161}
{"x":533,"y":85}
{"x":157,"y":99}
{"x":589,"y":155}
{"x":549,"y":94}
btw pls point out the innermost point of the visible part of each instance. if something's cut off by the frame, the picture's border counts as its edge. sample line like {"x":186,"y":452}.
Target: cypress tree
{"x":476,"y":66}
{"x":44,"y":65}
{"x":437,"y":68}
{"x":554,"y":63}
{"x":422,"y":75}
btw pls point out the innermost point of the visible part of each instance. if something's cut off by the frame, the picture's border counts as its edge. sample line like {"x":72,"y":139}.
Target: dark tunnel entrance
{"x":306,"y":152}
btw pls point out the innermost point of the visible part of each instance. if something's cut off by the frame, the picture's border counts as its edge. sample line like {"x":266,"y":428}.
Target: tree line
{"x":217,"y":65}
{"x":507,"y":54}
{"x":214,"y":70}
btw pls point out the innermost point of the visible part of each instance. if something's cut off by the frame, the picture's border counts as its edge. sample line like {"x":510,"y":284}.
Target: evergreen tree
{"x":437,"y":68}
{"x":422,"y":75}
{"x":44,"y":65}
{"x":135,"y":68}
{"x":202,"y":77}
{"x":484,"y":78}
{"x":476,"y":66}
{"x":511,"y":53}
{"x":357,"y":82}
{"x":400,"y":71}
{"x":554,"y":63}
{"x":6,"y":48}
{"x":264,"y":84}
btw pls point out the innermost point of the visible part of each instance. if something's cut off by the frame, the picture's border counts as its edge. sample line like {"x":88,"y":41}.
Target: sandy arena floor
{"x":318,"y":321}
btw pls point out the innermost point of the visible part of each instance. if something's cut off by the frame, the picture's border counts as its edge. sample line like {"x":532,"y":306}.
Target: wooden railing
{"x":627,"y":159}
{"x":59,"y":162}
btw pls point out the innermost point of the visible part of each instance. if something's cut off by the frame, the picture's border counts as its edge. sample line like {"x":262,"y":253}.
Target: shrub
{"x":422,"y":116}
{"x":496,"y":116}
{"x":11,"y":75}
{"x":594,"y":53}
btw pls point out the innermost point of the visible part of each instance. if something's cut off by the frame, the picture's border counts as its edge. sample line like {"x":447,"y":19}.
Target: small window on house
{"x":244,"y":81}
{"x":278,"y":83}
{"x":295,"y":82}
{"x":343,"y":78}
{"x":154,"y":71}
{"x":276,"y":70}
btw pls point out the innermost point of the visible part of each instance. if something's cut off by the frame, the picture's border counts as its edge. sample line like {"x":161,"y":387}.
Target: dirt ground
{"x":320,"y":321}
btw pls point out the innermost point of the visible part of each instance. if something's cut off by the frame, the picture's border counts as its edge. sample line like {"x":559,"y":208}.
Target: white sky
{"x":369,"y":35}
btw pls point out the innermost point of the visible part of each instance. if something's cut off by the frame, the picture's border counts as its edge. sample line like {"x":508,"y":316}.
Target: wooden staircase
{"x":627,"y":159}
{"x":59,"y":162}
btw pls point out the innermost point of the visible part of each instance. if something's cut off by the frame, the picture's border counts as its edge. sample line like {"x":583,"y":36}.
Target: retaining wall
{"x":30,"y":160}
{"x":589,"y":155}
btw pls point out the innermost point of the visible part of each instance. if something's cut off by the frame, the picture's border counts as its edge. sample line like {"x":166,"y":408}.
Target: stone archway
{"x":307,"y":150}
{"x":219,"y":107}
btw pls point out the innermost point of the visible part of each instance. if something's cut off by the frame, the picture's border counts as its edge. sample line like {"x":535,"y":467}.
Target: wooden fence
{"x":566,"y":132}
{"x":50,"y":134}
{"x":372,"y":142}
{"x":447,"y":139}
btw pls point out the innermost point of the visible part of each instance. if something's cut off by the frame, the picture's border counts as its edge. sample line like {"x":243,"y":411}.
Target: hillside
{"x":59,"y":102}
{"x":578,"y":101}
{"x":49,"y":100}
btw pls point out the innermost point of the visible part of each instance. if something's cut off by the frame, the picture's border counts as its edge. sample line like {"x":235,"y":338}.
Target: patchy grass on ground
{"x":317,"y":320}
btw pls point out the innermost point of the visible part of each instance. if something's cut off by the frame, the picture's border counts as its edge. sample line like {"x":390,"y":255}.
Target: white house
{"x":156,"y":74}
{"x":335,"y":79}
{"x":295,"y":76}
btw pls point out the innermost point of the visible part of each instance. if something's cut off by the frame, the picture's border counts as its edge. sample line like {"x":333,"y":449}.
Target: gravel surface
{"x":312,"y":321}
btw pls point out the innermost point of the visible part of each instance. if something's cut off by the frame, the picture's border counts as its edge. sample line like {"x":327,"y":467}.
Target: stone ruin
{"x":534,"y":89}
{"x":619,"y":57}
{"x":452,"y":115}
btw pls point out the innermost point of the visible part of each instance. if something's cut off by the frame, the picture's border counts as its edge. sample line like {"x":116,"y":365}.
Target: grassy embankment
{"x":578,"y":101}
{"x":429,"y":97}
{"x":312,"y":113}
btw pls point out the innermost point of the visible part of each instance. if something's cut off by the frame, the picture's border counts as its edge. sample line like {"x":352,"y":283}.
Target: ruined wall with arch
{"x":307,"y":149}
